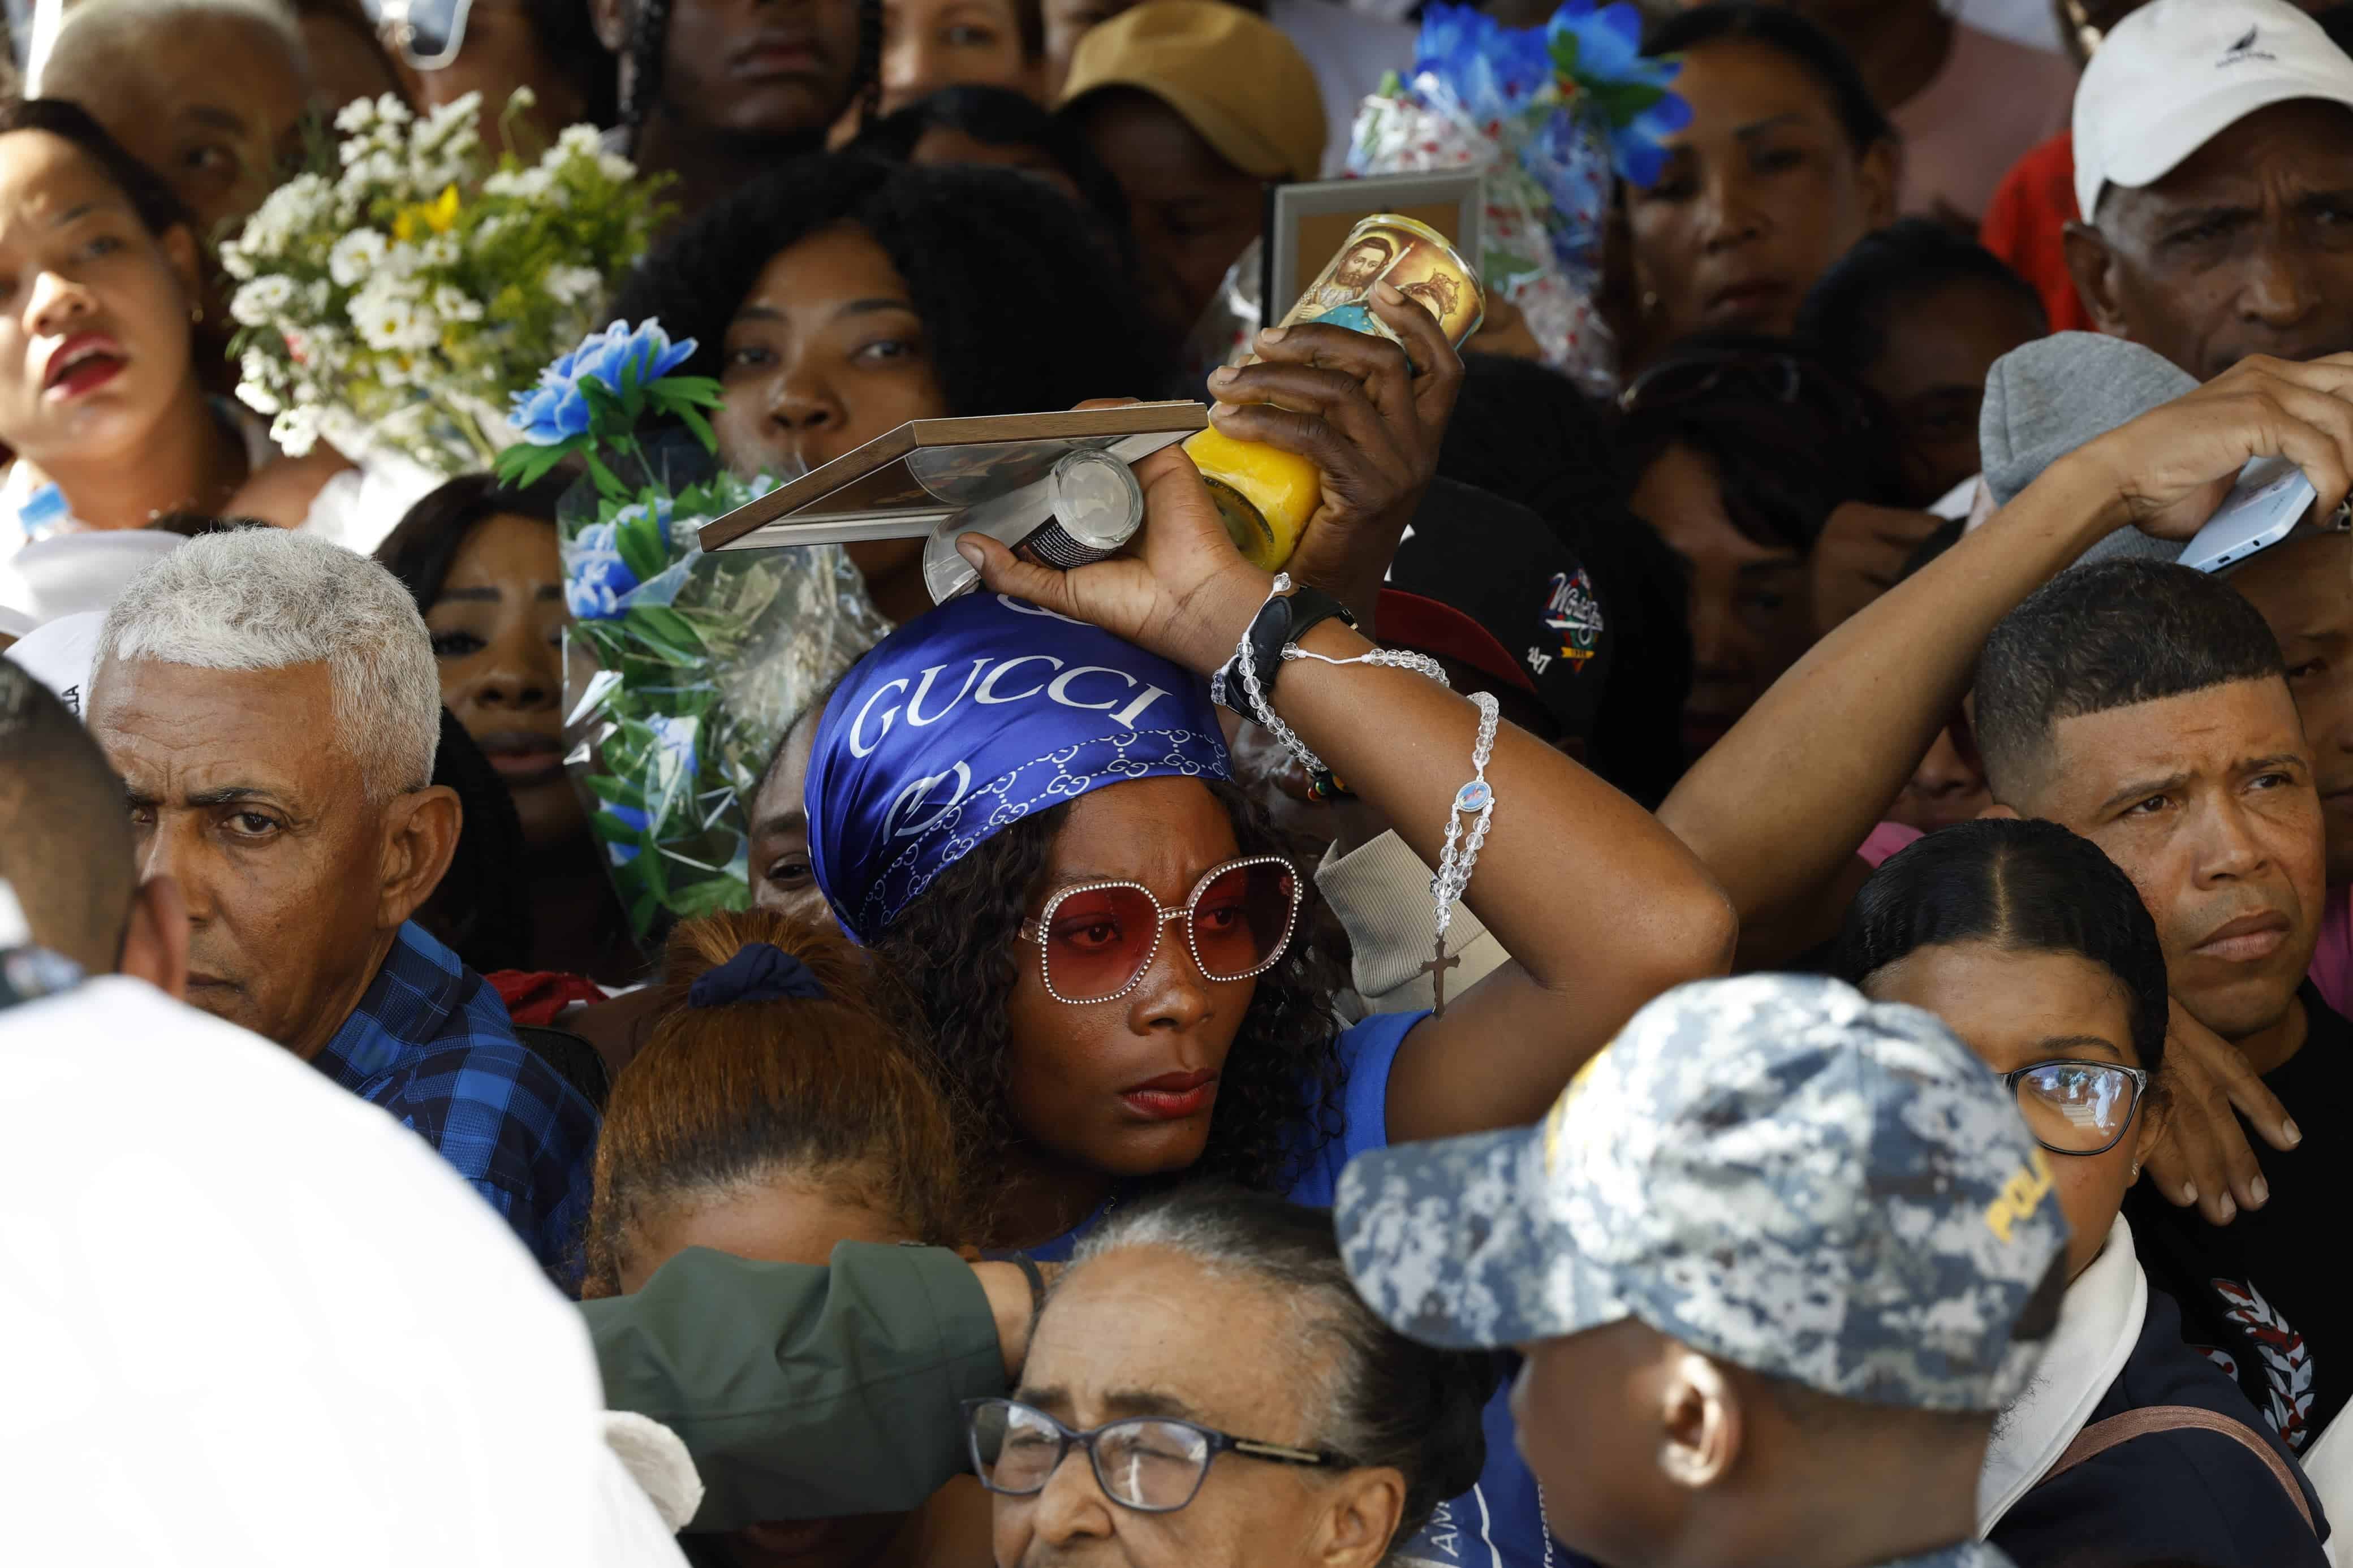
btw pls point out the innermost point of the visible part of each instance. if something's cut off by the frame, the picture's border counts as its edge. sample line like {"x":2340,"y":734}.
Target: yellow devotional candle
{"x":1266,"y":496}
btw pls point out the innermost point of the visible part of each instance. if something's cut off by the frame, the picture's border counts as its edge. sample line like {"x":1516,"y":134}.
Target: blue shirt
{"x":430,"y":1043}
{"x":1500,"y":1522}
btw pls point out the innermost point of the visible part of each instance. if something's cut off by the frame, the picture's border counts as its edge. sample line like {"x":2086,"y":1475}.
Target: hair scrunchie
{"x":761,"y":972}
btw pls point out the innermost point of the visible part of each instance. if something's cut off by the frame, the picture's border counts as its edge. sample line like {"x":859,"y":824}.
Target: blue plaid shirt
{"x":430,"y":1042}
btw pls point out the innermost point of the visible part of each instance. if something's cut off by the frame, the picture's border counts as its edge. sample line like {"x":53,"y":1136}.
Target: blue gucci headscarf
{"x":967,"y":719}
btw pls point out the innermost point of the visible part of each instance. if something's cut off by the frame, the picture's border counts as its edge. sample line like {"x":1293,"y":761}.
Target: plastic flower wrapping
{"x":681,"y":670}
{"x":394,"y":295}
{"x":1551,"y":117}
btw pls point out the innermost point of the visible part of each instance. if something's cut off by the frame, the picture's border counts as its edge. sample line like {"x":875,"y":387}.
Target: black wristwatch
{"x":1280,"y":623}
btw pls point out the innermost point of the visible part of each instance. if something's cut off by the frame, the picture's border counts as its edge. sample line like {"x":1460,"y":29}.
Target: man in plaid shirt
{"x":430,"y":1043}
{"x":272,"y":704}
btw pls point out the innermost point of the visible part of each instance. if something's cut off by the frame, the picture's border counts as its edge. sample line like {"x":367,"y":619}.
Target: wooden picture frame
{"x":904,"y":482}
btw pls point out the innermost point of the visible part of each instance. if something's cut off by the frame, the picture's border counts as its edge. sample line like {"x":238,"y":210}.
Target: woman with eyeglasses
{"x":2038,"y":952}
{"x":775,"y":1113}
{"x":1126,"y":979}
{"x":1205,"y":1389}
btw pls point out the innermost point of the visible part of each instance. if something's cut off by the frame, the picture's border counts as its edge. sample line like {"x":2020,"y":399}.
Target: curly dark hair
{"x":956,"y":948}
{"x":1023,"y":303}
{"x":1001,"y":116}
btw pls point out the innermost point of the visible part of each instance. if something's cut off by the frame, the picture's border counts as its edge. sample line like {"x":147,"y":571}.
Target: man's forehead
{"x":263,"y":725}
{"x":2308,"y":143}
{"x":2213,"y":730}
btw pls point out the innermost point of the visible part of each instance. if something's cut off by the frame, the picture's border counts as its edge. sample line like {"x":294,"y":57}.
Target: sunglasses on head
{"x":428,"y":33}
{"x":1096,"y":940}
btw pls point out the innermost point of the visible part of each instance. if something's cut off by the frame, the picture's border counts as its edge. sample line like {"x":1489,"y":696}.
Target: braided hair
{"x":649,"y":48}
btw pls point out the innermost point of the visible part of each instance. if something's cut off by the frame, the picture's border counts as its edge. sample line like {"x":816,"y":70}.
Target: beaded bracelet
{"x":1475,"y":800}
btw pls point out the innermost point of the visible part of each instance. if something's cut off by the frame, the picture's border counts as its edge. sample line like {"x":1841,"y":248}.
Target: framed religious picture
{"x":1307,"y":224}
{"x":1053,"y":485}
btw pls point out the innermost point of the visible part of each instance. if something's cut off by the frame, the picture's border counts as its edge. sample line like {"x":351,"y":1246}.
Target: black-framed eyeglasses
{"x":2077,"y":1107}
{"x":428,"y":33}
{"x":1153,"y":1464}
{"x":1767,"y":378}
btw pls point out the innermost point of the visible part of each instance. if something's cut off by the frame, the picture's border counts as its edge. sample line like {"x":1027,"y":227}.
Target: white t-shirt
{"x":250,"y":1318}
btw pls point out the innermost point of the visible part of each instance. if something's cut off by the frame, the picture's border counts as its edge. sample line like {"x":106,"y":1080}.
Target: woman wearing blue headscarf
{"x":1021,"y":803}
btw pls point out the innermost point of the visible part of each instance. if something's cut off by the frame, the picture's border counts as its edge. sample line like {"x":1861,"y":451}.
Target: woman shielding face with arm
{"x":1600,"y":906}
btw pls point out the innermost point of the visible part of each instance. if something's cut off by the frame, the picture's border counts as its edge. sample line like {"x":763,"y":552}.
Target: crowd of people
{"x":1749,"y":971}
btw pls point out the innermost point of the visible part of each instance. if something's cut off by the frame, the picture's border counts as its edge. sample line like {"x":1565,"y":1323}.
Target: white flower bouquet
{"x":402,"y":290}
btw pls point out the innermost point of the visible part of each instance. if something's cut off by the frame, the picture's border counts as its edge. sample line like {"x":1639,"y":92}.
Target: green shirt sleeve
{"x":806,"y":1393}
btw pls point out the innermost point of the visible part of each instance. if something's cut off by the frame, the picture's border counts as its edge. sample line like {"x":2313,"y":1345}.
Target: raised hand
{"x":1186,"y":592}
{"x":1368,"y":415}
{"x":2169,"y":469}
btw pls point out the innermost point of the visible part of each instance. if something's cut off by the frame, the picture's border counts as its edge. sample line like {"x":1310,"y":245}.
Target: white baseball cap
{"x":2174,"y":75}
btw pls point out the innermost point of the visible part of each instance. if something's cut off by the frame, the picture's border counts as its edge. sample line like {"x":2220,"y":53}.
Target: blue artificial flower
{"x":1637,"y":147}
{"x":551,"y":413}
{"x":1493,"y":71}
{"x":555,"y":410}
{"x":1609,"y":43}
{"x":1597,"y":50}
{"x":595,"y":577}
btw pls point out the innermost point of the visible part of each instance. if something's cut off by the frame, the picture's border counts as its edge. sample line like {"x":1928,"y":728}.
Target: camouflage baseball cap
{"x":1770,"y":1170}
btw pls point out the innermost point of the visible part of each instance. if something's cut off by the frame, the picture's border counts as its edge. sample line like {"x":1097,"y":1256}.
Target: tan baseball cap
{"x":1234,"y":78}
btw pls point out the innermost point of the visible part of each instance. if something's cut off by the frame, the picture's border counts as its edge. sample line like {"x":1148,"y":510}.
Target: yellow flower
{"x":438,"y":216}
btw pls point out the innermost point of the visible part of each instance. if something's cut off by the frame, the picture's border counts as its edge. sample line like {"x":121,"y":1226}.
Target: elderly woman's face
{"x":215,"y":107}
{"x":1147,"y":1331}
{"x":93,"y":309}
{"x":1128,"y":1086}
{"x":825,"y":354}
{"x":1760,"y":193}
{"x":498,"y":634}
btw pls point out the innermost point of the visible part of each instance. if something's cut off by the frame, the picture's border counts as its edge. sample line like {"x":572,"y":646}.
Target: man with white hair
{"x":272,"y":704}
{"x":2214,"y":171}
{"x":208,"y":93}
